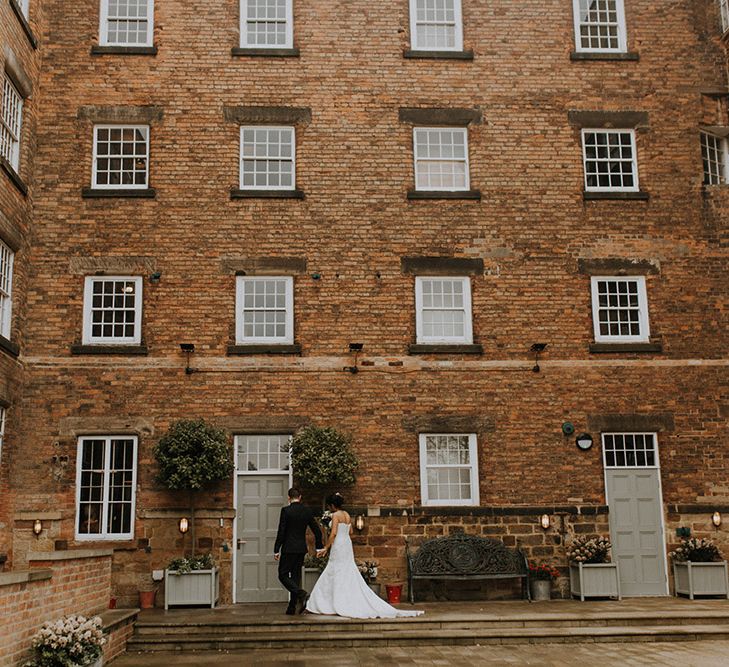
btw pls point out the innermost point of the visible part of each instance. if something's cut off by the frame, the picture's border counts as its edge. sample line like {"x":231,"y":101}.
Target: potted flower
{"x":540,"y":580}
{"x":72,"y":641}
{"x":699,"y":569}
{"x":313,"y":567}
{"x":591,"y":572}
{"x":368,"y":570}
{"x":192,"y":580}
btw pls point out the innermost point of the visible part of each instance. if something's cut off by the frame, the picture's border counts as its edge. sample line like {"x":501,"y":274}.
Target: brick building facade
{"x":454,"y":199}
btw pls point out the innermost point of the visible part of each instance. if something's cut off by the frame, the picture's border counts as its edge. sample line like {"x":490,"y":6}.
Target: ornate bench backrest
{"x":466,"y":554}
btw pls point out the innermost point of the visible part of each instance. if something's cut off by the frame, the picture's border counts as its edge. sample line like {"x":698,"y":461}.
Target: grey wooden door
{"x":636,"y":522}
{"x":260,"y":499}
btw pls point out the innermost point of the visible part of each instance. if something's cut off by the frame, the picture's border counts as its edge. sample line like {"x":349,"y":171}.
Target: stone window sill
{"x":97,"y":50}
{"x":94,"y":193}
{"x":617,"y":348}
{"x":264,"y":53}
{"x":234,"y":350}
{"x":641,"y":195}
{"x":442,"y":55}
{"x":445,"y":348}
{"x":123,"y":350}
{"x":473,"y":195}
{"x":14,"y":176}
{"x":8,"y":346}
{"x":581,"y":55}
{"x":24,"y":23}
{"x":266,"y":194}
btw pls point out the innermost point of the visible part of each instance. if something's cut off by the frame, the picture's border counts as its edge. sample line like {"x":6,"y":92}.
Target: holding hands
{"x":321,"y":552}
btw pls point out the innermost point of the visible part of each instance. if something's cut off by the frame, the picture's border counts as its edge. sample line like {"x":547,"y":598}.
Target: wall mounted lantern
{"x":188,"y":349}
{"x":545,"y":521}
{"x":537,"y":348}
{"x":184,"y":525}
{"x":37,"y":527}
{"x":359,"y":523}
{"x":716,"y":519}
{"x":355,"y":348}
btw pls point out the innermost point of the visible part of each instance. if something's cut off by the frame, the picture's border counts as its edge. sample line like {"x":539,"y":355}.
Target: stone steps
{"x":323,"y":637}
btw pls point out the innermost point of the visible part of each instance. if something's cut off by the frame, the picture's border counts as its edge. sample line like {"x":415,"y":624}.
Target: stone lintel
{"x":458,"y":117}
{"x":608,"y":119}
{"x":264,"y":114}
{"x":263,"y":266}
{"x":111,"y":266}
{"x":273,"y":424}
{"x":121,"y":114}
{"x":9,"y":233}
{"x":445,"y":266}
{"x":76,"y":426}
{"x":17,"y":73}
{"x":609,"y":266}
{"x":658,"y":422}
{"x":449,"y":424}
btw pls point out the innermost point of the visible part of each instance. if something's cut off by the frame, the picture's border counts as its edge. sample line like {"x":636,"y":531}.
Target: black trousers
{"x":289,"y":574}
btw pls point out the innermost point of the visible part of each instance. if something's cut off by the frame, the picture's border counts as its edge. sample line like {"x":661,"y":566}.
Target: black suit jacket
{"x":291,"y":536}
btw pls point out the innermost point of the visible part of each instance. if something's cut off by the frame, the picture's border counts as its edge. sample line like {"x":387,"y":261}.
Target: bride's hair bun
{"x":336,"y":500}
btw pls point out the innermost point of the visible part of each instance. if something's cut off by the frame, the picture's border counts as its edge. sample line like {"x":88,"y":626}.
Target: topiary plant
{"x":192,"y":455}
{"x":322,"y":457}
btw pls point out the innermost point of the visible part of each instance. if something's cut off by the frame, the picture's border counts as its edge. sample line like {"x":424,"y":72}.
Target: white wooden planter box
{"x":311,"y":576}
{"x":596,"y":580}
{"x":701,"y":579}
{"x":196,"y":587}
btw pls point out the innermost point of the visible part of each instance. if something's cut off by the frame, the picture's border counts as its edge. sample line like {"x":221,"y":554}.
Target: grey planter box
{"x":596,"y":580}
{"x":196,"y":587}
{"x":700,"y":579}
{"x":309,"y":578}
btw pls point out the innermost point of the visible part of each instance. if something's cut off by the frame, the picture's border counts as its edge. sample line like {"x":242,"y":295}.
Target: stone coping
{"x":113,"y":618}
{"x":24,"y":576}
{"x":71,"y":554}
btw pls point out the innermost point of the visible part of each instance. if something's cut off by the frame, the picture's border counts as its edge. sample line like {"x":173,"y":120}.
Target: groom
{"x":290,"y":548}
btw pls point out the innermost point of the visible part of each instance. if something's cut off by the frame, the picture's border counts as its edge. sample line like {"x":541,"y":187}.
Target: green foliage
{"x":190,"y":563}
{"x":322,"y":457}
{"x":697,"y":551}
{"x":192,"y":455}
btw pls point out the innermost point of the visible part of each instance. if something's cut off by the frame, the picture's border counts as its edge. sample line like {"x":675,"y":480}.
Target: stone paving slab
{"x":659,"y":654}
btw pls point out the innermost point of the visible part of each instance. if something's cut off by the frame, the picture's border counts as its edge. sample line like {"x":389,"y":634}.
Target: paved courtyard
{"x":664,"y":654}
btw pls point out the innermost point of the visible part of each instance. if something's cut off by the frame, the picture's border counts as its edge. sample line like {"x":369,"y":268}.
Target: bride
{"x":341,"y":590}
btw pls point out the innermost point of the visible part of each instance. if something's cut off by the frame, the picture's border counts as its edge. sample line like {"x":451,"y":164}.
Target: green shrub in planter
{"x":322,"y":457}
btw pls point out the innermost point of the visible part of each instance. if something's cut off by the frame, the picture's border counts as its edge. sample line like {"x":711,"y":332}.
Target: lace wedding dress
{"x":341,"y":590}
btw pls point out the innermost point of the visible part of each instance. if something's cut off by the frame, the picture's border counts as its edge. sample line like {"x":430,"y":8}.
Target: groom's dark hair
{"x":294,"y":493}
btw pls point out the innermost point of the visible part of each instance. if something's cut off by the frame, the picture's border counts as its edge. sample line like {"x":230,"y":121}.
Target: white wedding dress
{"x":341,"y":590}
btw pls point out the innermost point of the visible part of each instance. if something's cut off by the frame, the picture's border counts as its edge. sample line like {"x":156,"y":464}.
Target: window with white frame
{"x":7,"y":257}
{"x":2,"y":430}
{"x":106,"y":473}
{"x":262,"y":453}
{"x":724,"y":11}
{"x":599,"y":25}
{"x":127,"y":22}
{"x":121,"y":157}
{"x":264,"y":310}
{"x":448,"y":469}
{"x":268,"y":158}
{"x":630,"y":450}
{"x":10,"y":122}
{"x":610,"y":162}
{"x":436,"y":25}
{"x":441,"y":158}
{"x":443,"y":310}
{"x":112,"y":310}
{"x":620,"y":309}
{"x":715,"y":158}
{"x":267,"y":24}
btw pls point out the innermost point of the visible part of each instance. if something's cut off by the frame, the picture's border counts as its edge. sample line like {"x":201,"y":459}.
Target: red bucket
{"x":394,"y":593}
{"x":146,"y":599}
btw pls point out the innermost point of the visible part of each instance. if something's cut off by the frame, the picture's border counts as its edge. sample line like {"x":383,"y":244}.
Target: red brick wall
{"x":77,"y":586}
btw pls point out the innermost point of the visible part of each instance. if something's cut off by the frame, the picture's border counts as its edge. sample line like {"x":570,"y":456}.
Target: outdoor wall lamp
{"x":188,"y":349}
{"x":155,"y":277}
{"x":537,"y":348}
{"x":359,"y":523}
{"x":716,"y":519}
{"x":37,"y":527}
{"x":544,"y":521}
{"x":356,"y":348}
{"x":583,"y":441}
{"x":184,"y":525}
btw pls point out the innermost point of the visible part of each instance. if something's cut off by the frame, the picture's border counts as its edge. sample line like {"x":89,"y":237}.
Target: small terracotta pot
{"x":146,"y":599}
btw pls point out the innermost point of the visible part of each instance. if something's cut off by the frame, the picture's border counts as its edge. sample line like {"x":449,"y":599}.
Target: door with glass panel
{"x":633,"y":488}
{"x":262,"y":482}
